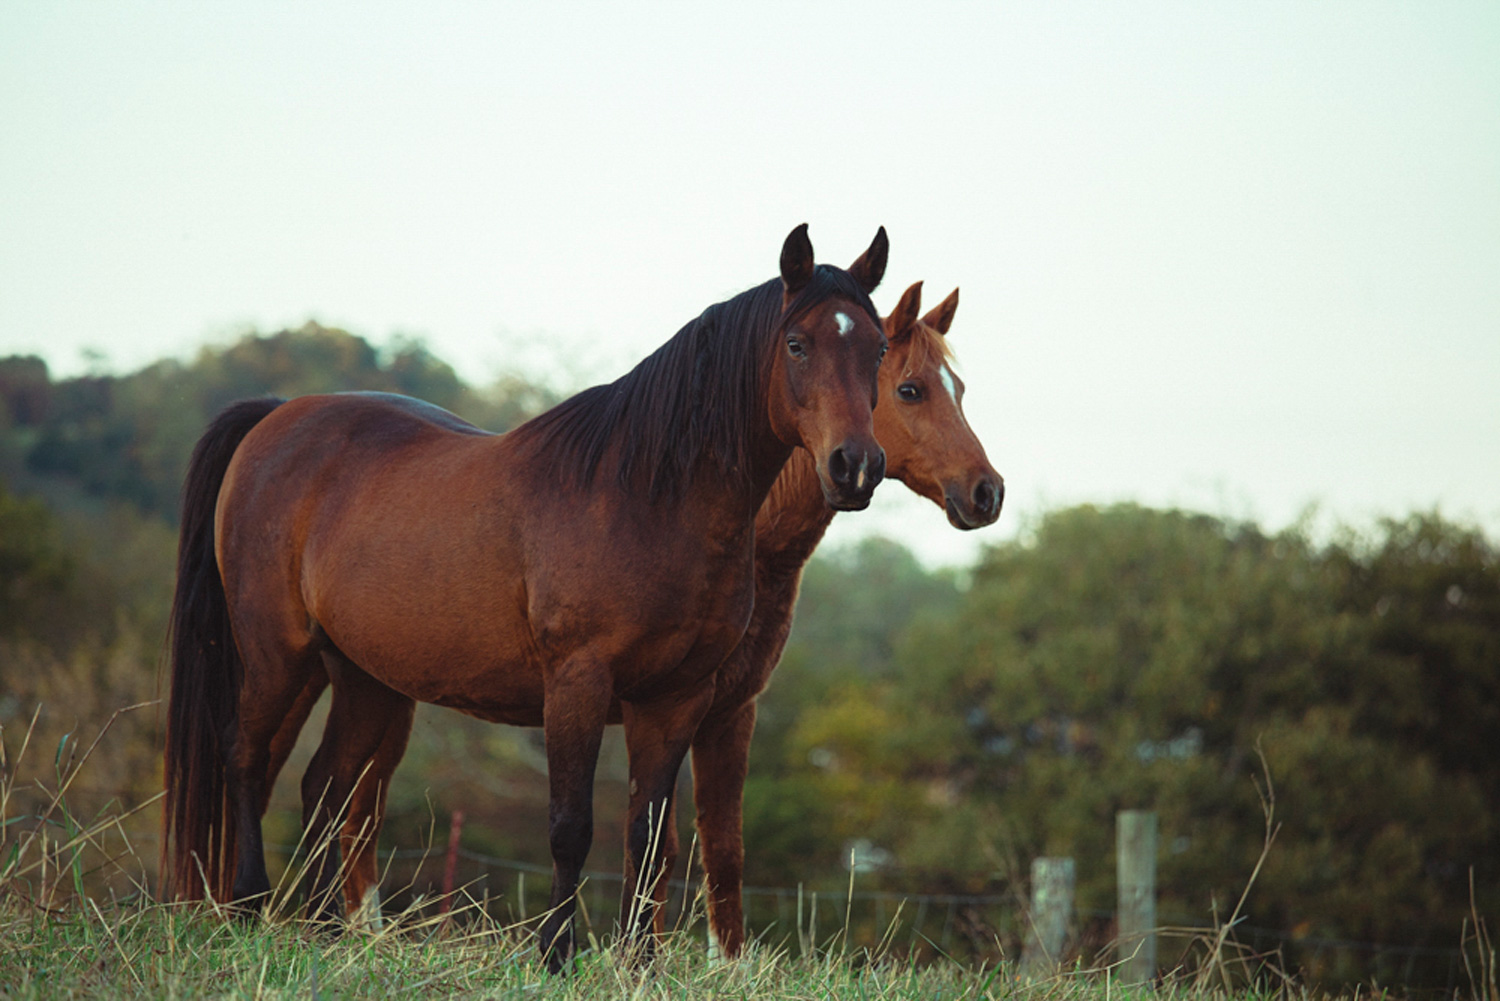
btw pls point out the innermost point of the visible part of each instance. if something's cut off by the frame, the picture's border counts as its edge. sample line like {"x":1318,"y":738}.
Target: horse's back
{"x":364,"y":422}
{"x":320,"y":465}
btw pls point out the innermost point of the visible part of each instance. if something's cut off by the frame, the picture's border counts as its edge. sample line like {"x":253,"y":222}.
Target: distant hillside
{"x":127,"y":437}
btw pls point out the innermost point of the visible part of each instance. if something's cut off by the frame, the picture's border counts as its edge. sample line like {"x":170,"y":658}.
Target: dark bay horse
{"x":929,"y":447}
{"x":599,"y":556}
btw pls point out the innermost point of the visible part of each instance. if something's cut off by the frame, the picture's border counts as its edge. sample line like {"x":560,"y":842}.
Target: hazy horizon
{"x":1238,"y":259}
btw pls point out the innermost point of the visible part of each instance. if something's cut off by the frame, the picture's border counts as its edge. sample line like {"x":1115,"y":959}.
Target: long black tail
{"x":198,"y":847}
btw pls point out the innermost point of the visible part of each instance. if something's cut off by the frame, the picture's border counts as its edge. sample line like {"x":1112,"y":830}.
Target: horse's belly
{"x":436,"y":641}
{"x":491,"y":688}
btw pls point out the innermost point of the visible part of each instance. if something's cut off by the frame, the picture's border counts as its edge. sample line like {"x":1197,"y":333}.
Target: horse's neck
{"x":792,"y":520}
{"x":768,"y":458}
{"x":788,"y":527}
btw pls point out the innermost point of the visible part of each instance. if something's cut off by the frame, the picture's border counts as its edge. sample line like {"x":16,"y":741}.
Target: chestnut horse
{"x":601,"y":554}
{"x":929,"y":447}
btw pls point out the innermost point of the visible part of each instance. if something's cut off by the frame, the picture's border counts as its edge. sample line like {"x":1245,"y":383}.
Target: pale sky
{"x":1237,"y":257}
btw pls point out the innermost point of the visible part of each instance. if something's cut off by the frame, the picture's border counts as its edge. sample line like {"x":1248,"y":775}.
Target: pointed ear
{"x":870,"y":267}
{"x":898,"y":325}
{"x":796,"y":262}
{"x":941,"y":317}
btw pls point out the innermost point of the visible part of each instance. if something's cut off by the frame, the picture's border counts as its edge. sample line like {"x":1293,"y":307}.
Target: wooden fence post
{"x":1136,"y":849}
{"x":450,"y":863}
{"x":1052,"y":882}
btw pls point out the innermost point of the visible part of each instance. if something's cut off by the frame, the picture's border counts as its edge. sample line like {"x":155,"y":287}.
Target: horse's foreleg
{"x":363,"y":711}
{"x":670,"y":849}
{"x":578,"y":695}
{"x":657,"y":735}
{"x":721,"y":755}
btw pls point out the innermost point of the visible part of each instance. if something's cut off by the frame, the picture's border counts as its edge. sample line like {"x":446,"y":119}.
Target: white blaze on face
{"x":845,"y":324}
{"x":947,"y":378}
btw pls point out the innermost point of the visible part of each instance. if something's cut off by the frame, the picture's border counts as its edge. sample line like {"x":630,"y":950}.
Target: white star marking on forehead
{"x":947,"y":378}
{"x":845,"y":324}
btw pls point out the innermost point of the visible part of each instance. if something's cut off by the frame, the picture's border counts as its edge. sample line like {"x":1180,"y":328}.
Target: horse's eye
{"x":794,"y":347}
{"x":909,"y":392}
{"x":883,"y":350}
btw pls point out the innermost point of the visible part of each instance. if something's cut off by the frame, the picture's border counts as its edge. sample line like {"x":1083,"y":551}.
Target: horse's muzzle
{"x":978,"y":506}
{"x":851,"y":475}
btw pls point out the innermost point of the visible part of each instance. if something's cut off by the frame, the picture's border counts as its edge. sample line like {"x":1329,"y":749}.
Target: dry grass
{"x":77,"y":920}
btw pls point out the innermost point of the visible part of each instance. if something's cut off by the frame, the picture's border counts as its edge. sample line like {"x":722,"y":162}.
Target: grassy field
{"x":77,"y":920}
{"x":145,"y":950}
{"x":69,"y":944}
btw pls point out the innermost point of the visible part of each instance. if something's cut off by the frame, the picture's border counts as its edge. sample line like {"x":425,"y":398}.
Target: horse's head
{"x":823,"y":383}
{"x":929,"y":445}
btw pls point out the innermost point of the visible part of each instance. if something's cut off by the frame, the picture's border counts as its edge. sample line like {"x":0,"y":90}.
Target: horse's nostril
{"x":987,"y":496}
{"x":838,"y":466}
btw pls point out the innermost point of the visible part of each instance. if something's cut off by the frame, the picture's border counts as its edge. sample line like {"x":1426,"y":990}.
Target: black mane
{"x":694,"y":399}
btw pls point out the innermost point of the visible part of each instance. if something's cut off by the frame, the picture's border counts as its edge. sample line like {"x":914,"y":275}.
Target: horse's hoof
{"x":248,"y":908}
{"x":328,"y":930}
{"x":555,"y":940}
{"x":558,"y":964}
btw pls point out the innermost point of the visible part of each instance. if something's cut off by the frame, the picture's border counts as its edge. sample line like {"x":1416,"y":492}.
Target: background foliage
{"x":944,"y":727}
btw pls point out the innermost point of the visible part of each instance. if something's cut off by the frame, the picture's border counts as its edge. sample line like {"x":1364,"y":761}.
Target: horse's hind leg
{"x":367,"y":815}
{"x":344,"y":789}
{"x":272,"y":682}
{"x":291,"y":727}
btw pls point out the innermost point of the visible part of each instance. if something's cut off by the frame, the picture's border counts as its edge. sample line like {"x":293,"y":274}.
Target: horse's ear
{"x":903,"y":318}
{"x":796,"y":261}
{"x":941,"y":317}
{"x":870,"y":267}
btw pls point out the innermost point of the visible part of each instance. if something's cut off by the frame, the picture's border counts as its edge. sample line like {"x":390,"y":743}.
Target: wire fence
{"x":966,"y":927}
